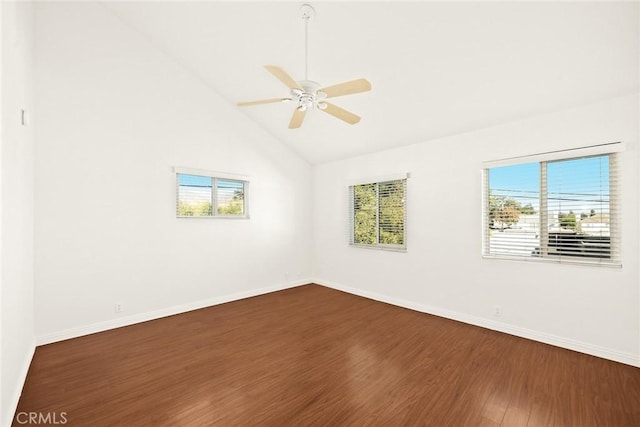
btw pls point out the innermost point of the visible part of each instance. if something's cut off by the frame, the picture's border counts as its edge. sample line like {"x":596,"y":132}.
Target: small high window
{"x":200,"y":195}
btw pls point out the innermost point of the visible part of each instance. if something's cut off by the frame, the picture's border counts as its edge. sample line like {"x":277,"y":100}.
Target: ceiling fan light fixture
{"x":308,"y":94}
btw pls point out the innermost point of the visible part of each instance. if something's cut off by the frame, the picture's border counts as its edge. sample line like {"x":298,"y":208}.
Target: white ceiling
{"x":436,"y":69}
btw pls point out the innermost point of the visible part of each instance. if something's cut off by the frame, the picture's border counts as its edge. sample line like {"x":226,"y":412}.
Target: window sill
{"x":214,"y":217}
{"x":381,"y":247}
{"x":557,"y":260}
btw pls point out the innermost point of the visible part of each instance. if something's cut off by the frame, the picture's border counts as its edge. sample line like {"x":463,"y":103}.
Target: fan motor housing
{"x":309,"y":96}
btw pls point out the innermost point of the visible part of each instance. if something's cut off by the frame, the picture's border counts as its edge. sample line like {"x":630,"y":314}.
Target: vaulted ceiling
{"x":437,"y":68}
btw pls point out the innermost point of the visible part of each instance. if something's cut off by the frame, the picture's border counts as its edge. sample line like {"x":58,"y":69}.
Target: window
{"x":378,"y":214}
{"x":562,"y":210}
{"x":210,"y":196}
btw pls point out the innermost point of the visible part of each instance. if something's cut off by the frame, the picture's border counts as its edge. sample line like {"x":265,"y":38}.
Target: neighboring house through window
{"x":564,"y":209}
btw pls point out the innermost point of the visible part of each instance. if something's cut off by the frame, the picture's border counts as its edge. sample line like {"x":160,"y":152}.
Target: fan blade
{"x":282,"y":75}
{"x":347,"y":88}
{"x":340,"y":113}
{"x":297,"y":118}
{"x":262,"y":101}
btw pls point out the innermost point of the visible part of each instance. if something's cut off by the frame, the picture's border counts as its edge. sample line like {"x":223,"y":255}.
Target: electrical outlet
{"x":118,"y":308}
{"x":497,"y":311}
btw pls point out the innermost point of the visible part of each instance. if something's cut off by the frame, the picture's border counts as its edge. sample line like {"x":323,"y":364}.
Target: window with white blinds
{"x":562,"y":210}
{"x":209,"y":196}
{"x":378,"y":214}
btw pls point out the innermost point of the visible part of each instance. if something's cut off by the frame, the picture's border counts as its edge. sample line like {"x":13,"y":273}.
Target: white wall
{"x":591,"y":309}
{"x":17,"y":339}
{"x":114,"y":115}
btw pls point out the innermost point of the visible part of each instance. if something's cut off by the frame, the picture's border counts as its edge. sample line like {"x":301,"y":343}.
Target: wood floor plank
{"x":316,"y":356}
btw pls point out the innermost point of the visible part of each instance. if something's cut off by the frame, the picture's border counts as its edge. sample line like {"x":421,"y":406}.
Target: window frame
{"x":609,"y":149}
{"x":215,"y":177}
{"x":378,"y":246}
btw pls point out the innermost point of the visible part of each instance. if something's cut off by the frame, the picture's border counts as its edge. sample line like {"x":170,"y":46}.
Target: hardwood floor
{"x":316,"y":356}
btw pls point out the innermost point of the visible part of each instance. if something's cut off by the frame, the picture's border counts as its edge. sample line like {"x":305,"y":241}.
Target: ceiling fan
{"x":307,"y":94}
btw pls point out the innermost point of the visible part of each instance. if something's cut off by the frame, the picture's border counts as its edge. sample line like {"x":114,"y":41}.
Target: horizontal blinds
{"x":205,"y":196}
{"x":562,"y":210}
{"x":579,"y":216}
{"x":513,"y":210}
{"x":378,"y":213}
{"x":365,"y":214}
{"x":195,"y":195}
{"x":391,"y":212}
{"x":229,"y":197}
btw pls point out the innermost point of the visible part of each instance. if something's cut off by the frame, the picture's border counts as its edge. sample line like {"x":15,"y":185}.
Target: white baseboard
{"x":10,"y":410}
{"x":163,"y":312}
{"x":594,"y":350}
